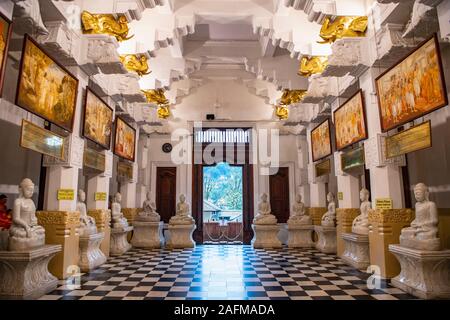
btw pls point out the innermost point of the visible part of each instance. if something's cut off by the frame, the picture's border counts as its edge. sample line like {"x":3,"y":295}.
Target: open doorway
{"x":223,"y":204}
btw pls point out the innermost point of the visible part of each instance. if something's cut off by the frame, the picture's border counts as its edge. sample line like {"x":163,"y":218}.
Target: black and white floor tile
{"x":225,"y":272}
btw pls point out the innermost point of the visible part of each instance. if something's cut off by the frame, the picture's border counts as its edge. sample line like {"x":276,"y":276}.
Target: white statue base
{"x":147,"y":234}
{"x":24,"y":275}
{"x":266,"y":236}
{"x":300,"y":236}
{"x":327,"y":242}
{"x":356,"y":250}
{"x":424,"y":274}
{"x":91,"y":257}
{"x":180,"y":236}
{"x":119,"y":242}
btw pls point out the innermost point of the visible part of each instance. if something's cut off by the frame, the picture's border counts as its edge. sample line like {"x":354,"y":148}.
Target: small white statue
{"x":361,"y":223}
{"x":264,"y":215}
{"x":25,"y":233}
{"x":422,"y":234}
{"x":298,"y":215}
{"x":183,"y":214}
{"x":87,"y":223}
{"x":149,"y":213}
{"x":329,"y":218}
{"x":118,"y":220}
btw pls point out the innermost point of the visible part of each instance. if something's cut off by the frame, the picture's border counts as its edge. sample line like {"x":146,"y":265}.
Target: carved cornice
{"x":102,"y":218}
{"x":66,"y":219}
{"x":404,"y":216}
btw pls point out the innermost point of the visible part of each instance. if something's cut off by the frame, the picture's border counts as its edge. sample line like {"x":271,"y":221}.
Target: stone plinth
{"x":119,"y":241}
{"x":326,"y":242}
{"x":344,"y":221}
{"x":316,"y":214}
{"x":24,"y":274}
{"x":62,"y":227}
{"x":4,"y":235}
{"x":103,"y":221}
{"x":266,"y":236}
{"x":130,"y":214}
{"x":356,"y":250}
{"x":384,"y":229}
{"x":424,"y":274}
{"x":91,"y":257}
{"x":180,"y":236}
{"x":300,"y":236}
{"x":147,"y":234}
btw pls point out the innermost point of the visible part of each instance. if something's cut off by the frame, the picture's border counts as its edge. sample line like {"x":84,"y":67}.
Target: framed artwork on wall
{"x":98,"y":120}
{"x":5,"y":35}
{"x":124,"y":140}
{"x":350,"y":122}
{"x":45,"y":87}
{"x":321,"y":141}
{"x":413,"y":87}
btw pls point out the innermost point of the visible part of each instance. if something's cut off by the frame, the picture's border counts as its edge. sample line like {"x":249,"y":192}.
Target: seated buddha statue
{"x":264,"y":216}
{"x":183,"y":213}
{"x":298,"y":215}
{"x":422,"y":234}
{"x":25,"y":233}
{"x":361,"y":223}
{"x":87,"y":223}
{"x":148,"y":214}
{"x":329,"y":218}
{"x":118,"y":220}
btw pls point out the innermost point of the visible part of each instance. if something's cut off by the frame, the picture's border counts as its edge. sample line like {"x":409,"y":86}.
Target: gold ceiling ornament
{"x":292,"y":97}
{"x":106,"y":24}
{"x":136,"y":63}
{"x":156,"y":96}
{"x":282,"y":112}
{"x":343,"y":27}
{"x":163,"y":111}
{"x":310,"y":65}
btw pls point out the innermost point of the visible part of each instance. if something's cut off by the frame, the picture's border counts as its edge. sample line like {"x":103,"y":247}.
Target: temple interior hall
{"x":224,"y":150}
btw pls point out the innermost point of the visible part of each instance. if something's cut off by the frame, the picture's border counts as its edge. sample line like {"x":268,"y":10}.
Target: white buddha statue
{"x":298,"y":215}
{"x":264,"y":215}
{"x":25,"y":233}
{"x":361,"y":223}
{"x":422,"y":234}
{"x":87,"y":223}
{"x":329,"y":218}
{"x":183,"y":214}
{"x":118,"y":220}
{"x":149,"y":213}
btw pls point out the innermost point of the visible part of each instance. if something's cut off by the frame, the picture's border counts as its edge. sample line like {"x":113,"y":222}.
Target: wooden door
{"x":279,"y":194}
{"x":166,"y":189}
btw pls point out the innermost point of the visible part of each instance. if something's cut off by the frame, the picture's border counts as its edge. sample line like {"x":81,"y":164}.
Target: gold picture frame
{"x":43,"y":141}
{"x":98,"y":120}
{"x":124,"y":140}
{"x":321,"y":141}
{"x":5,"y":36}
{"x":45,"y":87}
{"x":413,"y":87}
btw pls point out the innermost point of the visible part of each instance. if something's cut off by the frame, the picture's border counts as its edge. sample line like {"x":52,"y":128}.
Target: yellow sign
{"x":100,"y":196}
{"x":66,"y":194}
{"x":383,"y":203}
{"x":340,"y":196}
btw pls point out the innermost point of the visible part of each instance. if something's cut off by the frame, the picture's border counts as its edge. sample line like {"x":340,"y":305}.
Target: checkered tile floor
{"x":219,"y":272}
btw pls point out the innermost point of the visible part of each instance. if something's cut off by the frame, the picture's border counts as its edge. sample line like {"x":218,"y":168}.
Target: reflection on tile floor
{"x":219,"y":272}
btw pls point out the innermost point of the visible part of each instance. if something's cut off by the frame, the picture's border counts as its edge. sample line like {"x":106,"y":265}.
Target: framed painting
{"x":5,"y":35}
{"x":124,"y":140}
{"x":321,"y":141}
{"x":98,"y":120}
{"x":45,"y":87}
{"x":350,"y":122}
{"x":413,"y":87}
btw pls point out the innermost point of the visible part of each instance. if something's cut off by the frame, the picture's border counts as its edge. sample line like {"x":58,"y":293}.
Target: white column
{"x":349,"y":186}
{"x":99,"y":184}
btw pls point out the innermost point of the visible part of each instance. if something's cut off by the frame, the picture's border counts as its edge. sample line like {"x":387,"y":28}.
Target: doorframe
{"x":153,"y":175}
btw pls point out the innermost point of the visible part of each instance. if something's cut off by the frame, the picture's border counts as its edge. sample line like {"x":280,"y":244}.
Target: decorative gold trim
{"x":137,"y":63}
{"x":282,"y":112}
{"x":64,"y":218}
{"x":155,"y":96}
{"x":383,"y":216}
{"x":316,"y":214}
{"x":346,"y":216}
{"x":105,"y":24}
{"x":343,"y":27}
{"x":310,"y":65}
{"x":292,"y":97}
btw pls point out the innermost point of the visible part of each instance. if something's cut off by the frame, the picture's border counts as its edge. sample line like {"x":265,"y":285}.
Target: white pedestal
{"x":300,"y":236}
{"x":91,"y":256}
{"x":356,"y":250}
{"x":327,"y":239}
{"x":119,"y":242}
{"x":24,"y":274}
{"x":266,"y":236}
{"x":180,"y":236}
{"x":424,"y":274}
{"x":147,"y":234}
